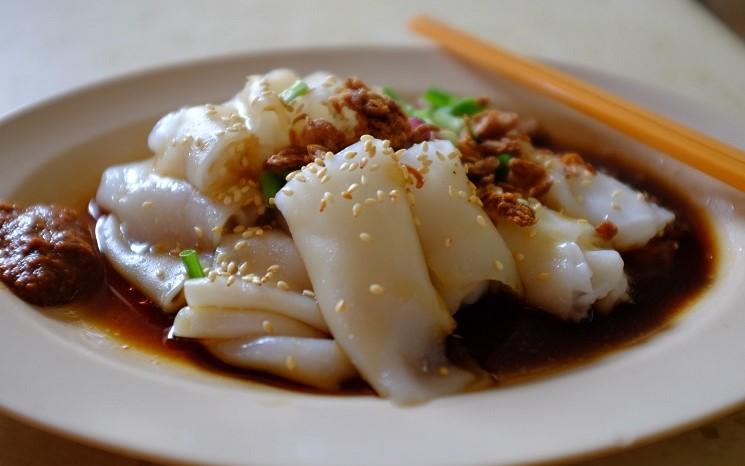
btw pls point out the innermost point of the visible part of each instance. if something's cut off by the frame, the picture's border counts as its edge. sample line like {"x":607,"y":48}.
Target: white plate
{"x":74,"y":381}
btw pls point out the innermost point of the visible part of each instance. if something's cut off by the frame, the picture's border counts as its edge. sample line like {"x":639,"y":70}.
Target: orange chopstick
{"x":713,"y":157}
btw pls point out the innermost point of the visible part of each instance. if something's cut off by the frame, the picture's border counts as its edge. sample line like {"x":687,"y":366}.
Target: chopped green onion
{"x":444,"y":119}
{"x":270,"y":182}
{"x":191,"y":262}
{"x":504,"y":166}
{"x":466,"y":106}
{"x":392,"y":94}
{"x":297,"y":89}
{"x":438,"y":98}
{"x":424,"y":114}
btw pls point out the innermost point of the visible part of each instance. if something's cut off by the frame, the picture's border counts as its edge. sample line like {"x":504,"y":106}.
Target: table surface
{"x":49,"y":47}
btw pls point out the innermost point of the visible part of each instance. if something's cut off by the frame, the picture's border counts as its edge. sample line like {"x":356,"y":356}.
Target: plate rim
{"x":71,"y":94}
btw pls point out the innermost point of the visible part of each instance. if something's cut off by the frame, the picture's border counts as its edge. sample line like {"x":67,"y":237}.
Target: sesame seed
{"x":287,"y":191}
{"x":231,"y":280}
{"x":282,"y":285}
{"x":376,"y":289}
{"x":240,"y":245}
{"x":212,"y":276}
{"x":353,"y":166}
{"x":393,"y":194}
{"x":243,"y":268}
{"x":220,"y":257}
{"x":346,"y":195}
{"x":343,"y":166}
{"x":356,"y":208}
{"x":448,"y":242}
{"x":350,"y":155}
{"x":366,"y":237}
{"x":198,"y":232}
{"x":363,"y":180}
{"x":480,"y":220}
{"x":160,"y":273}
{"x":363,"y":162}
{"x":443,"y":371}
{"x":267,"y":326}
{"x":425,"y":146}
{"x":147,"y":204}
{"x":232,"y":267}
{"x":520,"y":256}
{"x":341,"y":306}
{"x":290,"y":363}
{"x":272,"y":268}
{"x":324,"y":179}
{"x":498,"y":265}
{"x":309,"y":293}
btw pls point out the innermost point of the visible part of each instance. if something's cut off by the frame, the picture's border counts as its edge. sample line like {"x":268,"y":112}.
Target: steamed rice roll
{"x":316,"y":362}
{"x":579,"y":191}
{"x":564,"y":266}
{"x":462,"y":247}
{"x":355,"y":231}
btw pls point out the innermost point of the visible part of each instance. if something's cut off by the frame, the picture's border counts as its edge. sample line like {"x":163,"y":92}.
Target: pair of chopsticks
{"x":713,"y":157}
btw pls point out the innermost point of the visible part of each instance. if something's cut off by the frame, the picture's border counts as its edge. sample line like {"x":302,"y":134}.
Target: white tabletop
{"x":48,"y":47}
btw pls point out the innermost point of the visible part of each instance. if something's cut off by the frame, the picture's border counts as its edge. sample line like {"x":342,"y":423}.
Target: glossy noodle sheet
{"x":354,"y":228}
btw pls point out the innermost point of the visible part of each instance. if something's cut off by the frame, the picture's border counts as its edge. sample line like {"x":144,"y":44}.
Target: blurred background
{"x":49,"y":46}
{"x":693,"y":48}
